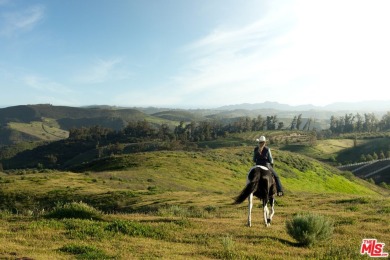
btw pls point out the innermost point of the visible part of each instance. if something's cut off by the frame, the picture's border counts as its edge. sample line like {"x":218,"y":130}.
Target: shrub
{"x":78,"y":210}
{"x":83,"y":229}
{"x":228,"y":251}
{"x":308,"y":229}
{"x":84,"y":252}
{"x":135,"y":229}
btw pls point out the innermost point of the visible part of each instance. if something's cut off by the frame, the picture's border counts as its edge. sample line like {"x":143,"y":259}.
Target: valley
{"x":115,"y":196}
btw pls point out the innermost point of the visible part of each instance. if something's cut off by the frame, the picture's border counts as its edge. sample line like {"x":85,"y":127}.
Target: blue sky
{"x":193,"y":54}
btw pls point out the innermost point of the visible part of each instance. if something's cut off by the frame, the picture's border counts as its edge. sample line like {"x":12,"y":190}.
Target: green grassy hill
{"x":40,"y":130}
{"x":178,"y":205}
{"x":213,"y":172}
{"x":180,"y":115}
{"x":366,"y":146}
{"x":45,"y":122}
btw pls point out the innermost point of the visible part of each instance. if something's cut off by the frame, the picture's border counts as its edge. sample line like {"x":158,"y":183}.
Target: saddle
{"x":272,"y":190}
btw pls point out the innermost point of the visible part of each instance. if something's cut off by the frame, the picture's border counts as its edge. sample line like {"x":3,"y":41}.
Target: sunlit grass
{"x":48,"y":131}
{"x":222,"y":234}
{"x":178,"y":205}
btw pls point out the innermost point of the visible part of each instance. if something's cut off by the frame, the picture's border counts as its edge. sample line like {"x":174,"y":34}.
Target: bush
{"x":78,"y":210}
{"x":135,"y":229}
{"x":84,"y":252}
{"x":308,"y":229}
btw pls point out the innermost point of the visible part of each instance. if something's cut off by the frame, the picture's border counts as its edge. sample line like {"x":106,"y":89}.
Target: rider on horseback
{"x":262,"y":156}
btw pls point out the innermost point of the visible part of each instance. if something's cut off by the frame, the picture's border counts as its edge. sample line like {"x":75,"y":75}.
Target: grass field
{"x":199,"y":226}
{"x":178,"y":205}
{"x":47,"y":130}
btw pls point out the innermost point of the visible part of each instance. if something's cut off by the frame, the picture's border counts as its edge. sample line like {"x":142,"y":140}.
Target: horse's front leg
{"x":250,"y":205}
{"x":267,"y":221}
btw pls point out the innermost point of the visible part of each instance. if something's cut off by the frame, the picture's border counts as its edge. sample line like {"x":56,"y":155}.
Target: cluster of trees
{"x":193,"y":131}
{"x":211,"y":130}
{"x":374,"y":156}
{"x":351,"y":123}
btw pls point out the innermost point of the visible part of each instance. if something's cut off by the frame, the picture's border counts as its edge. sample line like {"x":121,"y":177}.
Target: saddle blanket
{"x":258,"y":166}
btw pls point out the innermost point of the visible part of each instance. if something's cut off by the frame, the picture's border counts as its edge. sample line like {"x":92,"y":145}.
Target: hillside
{"x":179,"y":115}
{"x":28,"y":113}
{"x":378,"y":170}
{"x":64,"y":118}
{"x":49,"y":123}
{"x":214,"y":171}
{"x":178,"y":205}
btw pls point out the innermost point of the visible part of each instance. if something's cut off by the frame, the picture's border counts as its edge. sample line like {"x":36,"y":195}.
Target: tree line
{"x":352,"y":123}
{"x":143,"y":130}
{"x":192,"y":131}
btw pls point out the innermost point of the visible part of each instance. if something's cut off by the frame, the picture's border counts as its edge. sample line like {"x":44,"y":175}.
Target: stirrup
{"x":280,"y":193}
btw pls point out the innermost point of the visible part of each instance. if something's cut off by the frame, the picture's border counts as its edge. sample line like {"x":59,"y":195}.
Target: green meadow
{"x":179,"y":205}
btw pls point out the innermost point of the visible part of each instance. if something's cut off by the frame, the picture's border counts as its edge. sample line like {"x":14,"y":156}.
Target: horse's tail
{"x":253,"y":181}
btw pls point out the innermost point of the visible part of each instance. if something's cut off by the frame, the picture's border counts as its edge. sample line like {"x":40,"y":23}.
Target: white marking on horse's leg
{"x":266,"y":214}
{"x":272,"y":210}
{"x":250,"y":204}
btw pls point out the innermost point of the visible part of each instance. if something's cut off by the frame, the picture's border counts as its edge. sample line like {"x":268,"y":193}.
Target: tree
{"x":385,"y":122}
{"x":333,"y":124}
{"x":258,"y":123}
{"x":52,"y":158}
{"x":359,"y":123}
{"x":293,"y":125}
{"x":370,"y":122}
{"x":164,"y":133}
{"x":299,"y":121}
{"x":307,"y":124}
{"x":349,"y":123}
{"x":271,"y":122}
{"x":180,"y":132}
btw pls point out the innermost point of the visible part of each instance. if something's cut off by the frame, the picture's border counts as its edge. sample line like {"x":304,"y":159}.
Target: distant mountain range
{"x":366,"y":106}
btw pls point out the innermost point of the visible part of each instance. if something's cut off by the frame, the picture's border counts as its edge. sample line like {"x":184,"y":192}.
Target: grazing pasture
{"x":179,"y":205}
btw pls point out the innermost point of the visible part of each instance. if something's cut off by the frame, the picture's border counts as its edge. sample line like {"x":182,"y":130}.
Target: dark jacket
{"x":264,"y":158}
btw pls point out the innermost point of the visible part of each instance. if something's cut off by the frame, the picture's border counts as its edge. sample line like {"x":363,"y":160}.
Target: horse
{"x":261,"y":183}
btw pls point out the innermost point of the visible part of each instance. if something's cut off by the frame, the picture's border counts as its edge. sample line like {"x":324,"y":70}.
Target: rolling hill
{"x":45,"y":122}
{"x":214,"y":171}
{"x":178,"y":205}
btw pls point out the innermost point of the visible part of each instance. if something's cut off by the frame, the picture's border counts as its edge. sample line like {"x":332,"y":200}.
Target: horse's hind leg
{"x":267,"y":221}
{"x":250,"y":205}
{"x":272,"y":203}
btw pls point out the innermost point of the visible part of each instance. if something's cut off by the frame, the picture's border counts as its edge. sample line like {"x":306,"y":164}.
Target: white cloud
{"x":102,"y":71}
{"x":234,"y":64}
{"x":287,"y":56}
{"x":46,"y":85}
{"x":21,"y":21}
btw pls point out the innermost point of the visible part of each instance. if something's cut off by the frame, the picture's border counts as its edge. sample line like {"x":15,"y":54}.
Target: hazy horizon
{"x":383,"y":106}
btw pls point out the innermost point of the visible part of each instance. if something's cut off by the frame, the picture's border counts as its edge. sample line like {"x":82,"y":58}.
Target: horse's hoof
{"x":268,"y":221}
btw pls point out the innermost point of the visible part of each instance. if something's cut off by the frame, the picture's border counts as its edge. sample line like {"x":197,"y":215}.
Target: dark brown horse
{"x":261,"y":183}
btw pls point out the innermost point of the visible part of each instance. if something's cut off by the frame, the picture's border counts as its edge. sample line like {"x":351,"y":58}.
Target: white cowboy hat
{"x":261,"y":139}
